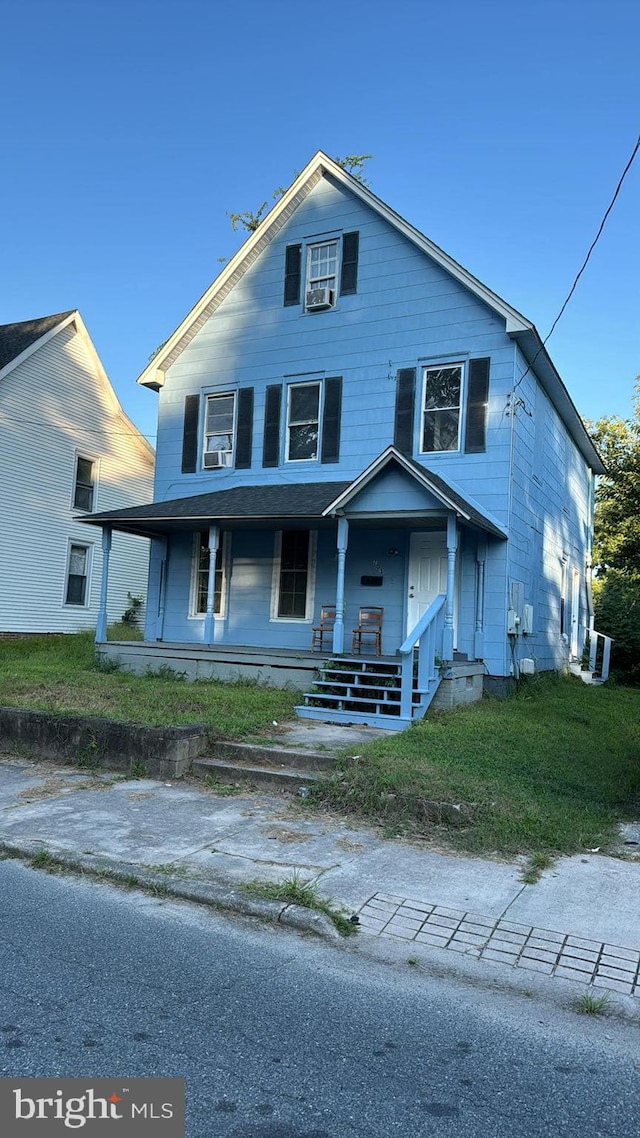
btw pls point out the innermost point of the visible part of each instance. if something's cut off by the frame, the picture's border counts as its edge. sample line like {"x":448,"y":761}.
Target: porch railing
{"x":427,"y":637}
{"x":599,"y":653}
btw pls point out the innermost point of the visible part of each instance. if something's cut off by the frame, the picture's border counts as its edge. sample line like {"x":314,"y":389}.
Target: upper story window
{"x":84,"y":484}
{"x":219,"y":430}
{"x":327,"y":269}
{"x":441,"y":408}
{"x":311,"y":421}
{"x":303,"y":422}
{"x":322,"y":267}
{"x":453,"y":411}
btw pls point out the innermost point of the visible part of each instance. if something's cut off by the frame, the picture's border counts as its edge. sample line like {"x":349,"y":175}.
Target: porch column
{"x":163,"y":546}
{"x":452,"y":546}
{"x":481,"y":557}
{"x":101,"y":626}
{"x":209,"y":620}
{"x":338,"y":628}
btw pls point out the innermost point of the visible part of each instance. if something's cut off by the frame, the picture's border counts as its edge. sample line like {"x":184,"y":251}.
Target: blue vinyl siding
{"x":407,"y":312}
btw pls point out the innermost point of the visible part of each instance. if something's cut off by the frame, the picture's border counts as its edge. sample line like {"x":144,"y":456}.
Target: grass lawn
{"x":59,"y":674}
{"x":549,"y":770}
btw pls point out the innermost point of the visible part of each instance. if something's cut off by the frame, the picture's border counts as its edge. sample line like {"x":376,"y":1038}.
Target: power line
{"x":586,"y":260}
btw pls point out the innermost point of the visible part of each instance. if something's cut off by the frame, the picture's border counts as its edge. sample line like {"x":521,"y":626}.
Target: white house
{"x":66,"y":448}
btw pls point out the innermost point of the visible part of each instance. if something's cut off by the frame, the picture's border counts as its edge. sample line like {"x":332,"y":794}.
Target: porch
{"x":365,"y":689}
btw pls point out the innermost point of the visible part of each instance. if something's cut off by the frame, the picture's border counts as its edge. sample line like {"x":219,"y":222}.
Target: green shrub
{"x":616,"y":597}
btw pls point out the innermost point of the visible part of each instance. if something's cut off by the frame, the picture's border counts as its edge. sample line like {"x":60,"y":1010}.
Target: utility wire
{"x":585,"y":262}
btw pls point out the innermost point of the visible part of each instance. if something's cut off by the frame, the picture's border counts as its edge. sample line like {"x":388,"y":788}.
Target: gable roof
{"x":20,"y":340}
{"x":450,"y":498}
{"x":516,"y":325}
{"x":17,"y":338}
{"x":279,"y":214}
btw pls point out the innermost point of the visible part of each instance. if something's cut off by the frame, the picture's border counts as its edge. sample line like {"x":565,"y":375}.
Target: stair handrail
{"x":424,"y":634}
{"x":593,"y":651}
{"x":425,"y":620}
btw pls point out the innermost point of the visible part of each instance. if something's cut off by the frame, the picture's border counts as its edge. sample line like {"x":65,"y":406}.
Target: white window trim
{"x":232,"y":453}
{"x":437,"y":366}
{"x":311,"y":580}
{"x":314,"y":243}
{"x":193,"y":585}
{"x":96,"y":477}
{"x":87,"y":593}
{"x":319,"y":383}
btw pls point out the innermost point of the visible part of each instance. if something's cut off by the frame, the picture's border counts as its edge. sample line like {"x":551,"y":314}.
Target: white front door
{"x":427,"y":573}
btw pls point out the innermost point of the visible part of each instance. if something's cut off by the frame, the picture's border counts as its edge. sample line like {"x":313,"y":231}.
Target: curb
{"x":187,"y":889}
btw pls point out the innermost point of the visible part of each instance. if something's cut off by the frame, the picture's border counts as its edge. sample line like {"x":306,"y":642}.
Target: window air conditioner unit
{"x":216,"y":458}
{"x":319,"y":298}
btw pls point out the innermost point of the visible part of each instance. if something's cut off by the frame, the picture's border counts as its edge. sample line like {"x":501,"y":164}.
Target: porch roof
{"x":304,"y":501}
{"x":311,"y":502}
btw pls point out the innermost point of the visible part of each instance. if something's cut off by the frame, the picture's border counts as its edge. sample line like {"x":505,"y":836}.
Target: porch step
{"x":287,"y":769}
{"x":360,"y":689}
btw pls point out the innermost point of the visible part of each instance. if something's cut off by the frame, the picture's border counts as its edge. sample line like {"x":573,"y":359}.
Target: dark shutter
{"x":477,"y":395}
{"x":405,"y":406}
{"x":331,"y":419}
{"x":271,"y":441}
{"x":245,"y":428}
{"x":190,"y":434}
{"x":292,"y":264}
{"x":349,"y":275}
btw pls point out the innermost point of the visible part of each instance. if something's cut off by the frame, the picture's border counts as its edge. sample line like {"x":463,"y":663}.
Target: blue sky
{"x":498,"y":127}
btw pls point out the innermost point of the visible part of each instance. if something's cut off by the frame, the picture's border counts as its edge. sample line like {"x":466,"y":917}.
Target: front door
{"x":427,"y":573}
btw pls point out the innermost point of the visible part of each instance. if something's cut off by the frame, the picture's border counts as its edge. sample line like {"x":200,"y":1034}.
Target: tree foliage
{"x":617,"y":520}
{"x":250,"y":220}
{"x":616,"y":587}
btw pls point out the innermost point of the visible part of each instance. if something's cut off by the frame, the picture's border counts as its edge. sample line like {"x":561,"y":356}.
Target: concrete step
{"x":286,"y":778}
{"x":259,"y":755}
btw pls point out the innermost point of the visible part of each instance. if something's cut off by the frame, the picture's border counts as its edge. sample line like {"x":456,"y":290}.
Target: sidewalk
{"x":580,"y":922}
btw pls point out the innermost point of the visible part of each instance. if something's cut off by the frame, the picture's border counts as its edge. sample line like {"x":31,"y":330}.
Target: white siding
{"x":53,"y":406}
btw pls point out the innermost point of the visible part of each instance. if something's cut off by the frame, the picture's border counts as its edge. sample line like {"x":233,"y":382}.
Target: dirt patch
{"x":282,"y":834}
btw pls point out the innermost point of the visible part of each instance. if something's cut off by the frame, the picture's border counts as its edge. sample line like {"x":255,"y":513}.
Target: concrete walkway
{"x":579,"y":923}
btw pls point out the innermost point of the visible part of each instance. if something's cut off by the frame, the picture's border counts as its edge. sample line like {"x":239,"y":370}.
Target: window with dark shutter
{"x":190,"y":434}
{"x":477,"y":396}
{"x":331,"y":419}
{"x":349,"y":273}
{"x":405,"y":409}
{"x":292,"y":274}
{"x":244,"y":437}
{"x":271,"y":440}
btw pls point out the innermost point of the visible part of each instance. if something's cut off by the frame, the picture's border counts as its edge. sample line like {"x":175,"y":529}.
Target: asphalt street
{"x":280,"y":1036}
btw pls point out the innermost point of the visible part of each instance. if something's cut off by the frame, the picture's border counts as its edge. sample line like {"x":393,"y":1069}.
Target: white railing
{"x":427,"y":636}
{"x":599,"y":653}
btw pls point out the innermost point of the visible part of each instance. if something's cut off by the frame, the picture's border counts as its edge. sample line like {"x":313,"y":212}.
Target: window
{"x":84,"y":485}
{"x":441,"y":416}
{"x":293,"y":575}
{"x":219,"y":430}
{"x":77,"y":575}
{"x":324,"y":267}
{"x":200,"y":579}
{"x":303,"y":422}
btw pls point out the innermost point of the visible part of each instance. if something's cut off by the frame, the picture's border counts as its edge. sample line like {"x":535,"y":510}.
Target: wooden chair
{"x":324,"y":628}
{"x":369,"y":626}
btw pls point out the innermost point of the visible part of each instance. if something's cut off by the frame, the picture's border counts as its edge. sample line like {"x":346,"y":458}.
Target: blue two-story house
{"x":366,"y":462}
